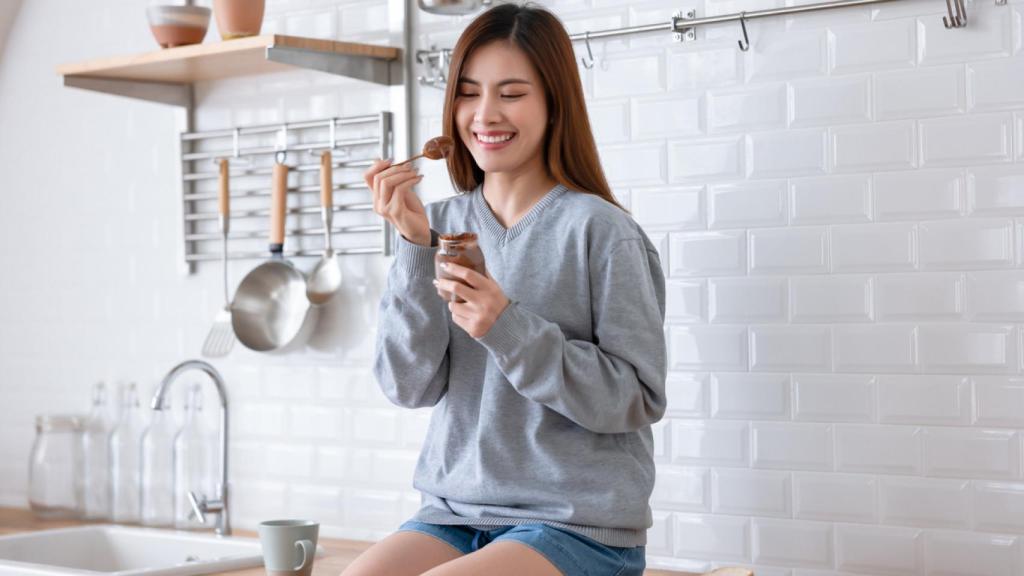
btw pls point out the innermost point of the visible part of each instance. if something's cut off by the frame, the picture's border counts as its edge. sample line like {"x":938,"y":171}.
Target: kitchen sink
{"x":113,"y":550}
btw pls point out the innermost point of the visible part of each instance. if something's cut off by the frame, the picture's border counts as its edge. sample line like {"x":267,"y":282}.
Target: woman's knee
{"x":404,"y":553}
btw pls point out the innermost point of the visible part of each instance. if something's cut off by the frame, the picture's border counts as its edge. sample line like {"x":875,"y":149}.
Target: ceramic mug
{"x":289,"y":546}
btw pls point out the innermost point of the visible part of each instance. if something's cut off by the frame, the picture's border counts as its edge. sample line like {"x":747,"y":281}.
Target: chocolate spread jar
{"x":462,"y":249}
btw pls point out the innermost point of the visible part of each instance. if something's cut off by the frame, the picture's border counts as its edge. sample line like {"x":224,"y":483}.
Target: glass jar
{"x":54,"y":477}
{"x":461,"y":249}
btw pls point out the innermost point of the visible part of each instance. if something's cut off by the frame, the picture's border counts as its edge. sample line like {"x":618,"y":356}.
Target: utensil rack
{"x":251,"y":152}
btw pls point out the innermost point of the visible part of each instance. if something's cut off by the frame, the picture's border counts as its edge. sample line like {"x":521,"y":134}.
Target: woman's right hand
{"x":395,"y":200}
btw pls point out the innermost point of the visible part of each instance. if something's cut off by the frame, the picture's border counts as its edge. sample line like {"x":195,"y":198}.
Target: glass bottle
{"x":125,"y":452}
{"x":157,"y":474}
{"x":193,"y":459}
{"x":96,"y":457}
{"x":54,"y":476}
{"x":461,"y":249}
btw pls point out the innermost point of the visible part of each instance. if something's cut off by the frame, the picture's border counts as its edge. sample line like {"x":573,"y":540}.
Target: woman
{"x":547,"y":378}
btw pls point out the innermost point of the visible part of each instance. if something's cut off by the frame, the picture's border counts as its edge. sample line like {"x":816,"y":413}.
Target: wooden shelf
{"x":167,"y":75}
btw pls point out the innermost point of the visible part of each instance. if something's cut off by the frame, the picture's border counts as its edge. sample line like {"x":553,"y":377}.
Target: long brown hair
{"x":569,"y":149}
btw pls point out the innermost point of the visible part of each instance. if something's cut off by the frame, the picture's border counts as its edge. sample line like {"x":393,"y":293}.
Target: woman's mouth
{"x":493,"y":140}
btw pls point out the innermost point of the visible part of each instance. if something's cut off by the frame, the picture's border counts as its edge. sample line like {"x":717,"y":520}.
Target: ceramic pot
{"x":238,"y":18}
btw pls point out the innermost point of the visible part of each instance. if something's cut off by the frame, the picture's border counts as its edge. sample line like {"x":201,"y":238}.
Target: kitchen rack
{"x":251,"y":152}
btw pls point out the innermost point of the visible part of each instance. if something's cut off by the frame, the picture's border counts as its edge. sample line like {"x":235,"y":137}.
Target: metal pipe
{"x":361,"y":207}
{"x":271,"y":128}
{"x":287,"y":254}
{"x":256,"y":192}
{"x":258,"y":234}
{"x":192,"y":176}
{"x":273,"y":150}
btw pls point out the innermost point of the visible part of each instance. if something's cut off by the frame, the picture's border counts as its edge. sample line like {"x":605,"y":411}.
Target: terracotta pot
{"x":178,"y":25}
{"x":238,"y":18}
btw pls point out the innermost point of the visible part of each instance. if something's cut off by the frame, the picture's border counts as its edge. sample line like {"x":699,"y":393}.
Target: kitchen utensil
{"x":433,"y":149}
{"x":452,"y":7}
{"x":178,"y":25}
{"x":270,"y":304}
{"x":326,"y":276}
{"x":221,"y":338}
{"x":289,"y":546}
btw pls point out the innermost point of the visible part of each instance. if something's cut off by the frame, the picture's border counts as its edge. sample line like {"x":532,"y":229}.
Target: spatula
{"x":221,"y":337}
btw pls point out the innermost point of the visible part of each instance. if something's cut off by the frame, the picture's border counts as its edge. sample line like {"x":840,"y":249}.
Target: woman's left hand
{"x":484,"y":299}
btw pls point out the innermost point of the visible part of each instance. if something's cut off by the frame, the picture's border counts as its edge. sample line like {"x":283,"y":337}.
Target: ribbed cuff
{"x":415,"y":259}
{"x":504,"y":336}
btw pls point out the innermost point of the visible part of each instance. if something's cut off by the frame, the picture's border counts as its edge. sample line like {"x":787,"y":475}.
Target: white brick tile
{"x":610,"y":121}
{"x":889,"y":247}
{"x":830,"y":200}
{"x":710,"y":443}
{"x":718,"y":538}
{"x":991,"y":35}
{"x":659,"y":535}
{"x":835,"y":497}
{"x":332,"y":383}
{"x":259,"y":420}
{"x":331,"y":463}
{"x":883,"y":348}
{"x":921,"y":296}
{"x":967,"y":453}
{"x":785,"y":154}
{"x":672,"y":116}
{"x":996,"y":84}
{"x":708,"y":253}
{"x":708,"y":348}
{"x":996,"y":190}
{"x":685,"y":301}
{"x":751,"y":492}
{"x":320,"y":502}
{"x":833,"y":398}
{"x":375,"y":426}
{"x":699,"y":68}
{"x":363,"y":18}
{"x":995,"y":296}
{"x":289,"y":382}
{"x":801,"y":250}
{"x":974,"y":139}
{"x":686,"y":489}
{"x":879,"y":550}
{"x":258,"y":500}
{"x":829,"y":101}
{"x":968,"y":348}
{"x":879,"y":449}
{"x":758,"y":107}
{"x":629,"y":74}
{"x":313,"y":422}
{"x":634,"y":164}
{"x":748,"y":204}
{"x":920,"y":93}
{"x":784,"y":54}
{"x":373,"y":509}
{"x":963,"y":554}
{"x":919,"y":195}
{"x":998,"y":506}
{"x":688,"y":395}
{"x":790,"y":348}
{"x":675,"y":208}
{"x":750,"y":396}
{"x":998,"y":401}
{"x":831,"y":299}
{"x":873,"y":46}
{"x":740,"y":300}
{"x":924,"y":400}
{"x":793,"y":543}
{"x":915,"y":502}
{"x":703,"y":160}
{"x":791,"y":446}
{"x":288,"y":460}
{"x":881,"y":146}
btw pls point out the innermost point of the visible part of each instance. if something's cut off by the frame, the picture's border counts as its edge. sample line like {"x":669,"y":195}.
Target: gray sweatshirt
{"x":547,"y":417}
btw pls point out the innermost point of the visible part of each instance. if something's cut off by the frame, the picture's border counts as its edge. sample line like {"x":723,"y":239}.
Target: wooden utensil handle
{"x":407,"y":160}
{"x":326,"y":181}
{"x":225,"y":200}
{"x":278,"y":205}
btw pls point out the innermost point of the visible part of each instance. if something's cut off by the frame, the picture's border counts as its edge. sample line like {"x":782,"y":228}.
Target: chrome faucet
{"x":203,"y":504}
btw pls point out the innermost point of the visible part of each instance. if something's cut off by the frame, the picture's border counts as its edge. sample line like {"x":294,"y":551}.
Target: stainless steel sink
{"x":111,"y":550}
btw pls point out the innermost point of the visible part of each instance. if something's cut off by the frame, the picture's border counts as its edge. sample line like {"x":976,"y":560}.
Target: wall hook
{"x":588,"y":60}
{"x":745,"y":43}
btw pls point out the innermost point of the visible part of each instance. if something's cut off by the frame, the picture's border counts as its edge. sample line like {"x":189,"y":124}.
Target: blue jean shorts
{"x":573,"y":554}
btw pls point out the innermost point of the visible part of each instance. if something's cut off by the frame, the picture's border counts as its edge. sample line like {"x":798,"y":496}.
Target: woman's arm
{"x":411,"y":363}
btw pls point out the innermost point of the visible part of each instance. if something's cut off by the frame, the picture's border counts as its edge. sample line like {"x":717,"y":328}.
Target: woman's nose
{"x":487,"y":110}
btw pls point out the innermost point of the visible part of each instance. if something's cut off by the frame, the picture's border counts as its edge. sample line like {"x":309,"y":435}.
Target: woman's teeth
{"x":494,"y":139}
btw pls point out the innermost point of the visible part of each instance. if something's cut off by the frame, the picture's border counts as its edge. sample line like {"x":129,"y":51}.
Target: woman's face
{"x":500,"y":108}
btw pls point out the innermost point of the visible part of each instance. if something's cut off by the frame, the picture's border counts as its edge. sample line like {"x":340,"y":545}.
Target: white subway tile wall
{"x":840,"y":216}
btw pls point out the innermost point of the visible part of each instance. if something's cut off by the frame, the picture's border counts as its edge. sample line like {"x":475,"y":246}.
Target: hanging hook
{"x":588,"y":60}
{"x":745,"y":43}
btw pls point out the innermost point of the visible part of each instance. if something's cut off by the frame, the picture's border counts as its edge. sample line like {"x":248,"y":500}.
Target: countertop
{"x":337,"y":553}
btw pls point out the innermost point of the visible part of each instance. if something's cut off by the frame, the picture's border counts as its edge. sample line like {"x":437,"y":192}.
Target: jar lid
{"x":59,"y":422}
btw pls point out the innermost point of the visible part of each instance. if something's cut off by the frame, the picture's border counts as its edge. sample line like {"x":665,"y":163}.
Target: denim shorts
{"x":573,"y":554}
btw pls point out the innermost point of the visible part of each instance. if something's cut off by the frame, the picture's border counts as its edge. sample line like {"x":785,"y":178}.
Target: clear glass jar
{"x":55,"y":479}
{"x":96,"y":458}
{"x":461,"y":249}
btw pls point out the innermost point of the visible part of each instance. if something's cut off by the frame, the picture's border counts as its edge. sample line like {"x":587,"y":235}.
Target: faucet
{"x":202,"y":504}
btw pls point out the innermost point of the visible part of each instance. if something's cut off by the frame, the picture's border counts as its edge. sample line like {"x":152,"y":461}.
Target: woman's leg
{"x":501,"y":558}
{"x":404,"y":553}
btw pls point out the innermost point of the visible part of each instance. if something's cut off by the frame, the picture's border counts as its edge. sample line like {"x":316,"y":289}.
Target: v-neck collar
{"x":495,"y":228}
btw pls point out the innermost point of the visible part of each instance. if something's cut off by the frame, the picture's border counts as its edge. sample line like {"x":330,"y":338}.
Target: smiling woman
{"x":548,"y":367}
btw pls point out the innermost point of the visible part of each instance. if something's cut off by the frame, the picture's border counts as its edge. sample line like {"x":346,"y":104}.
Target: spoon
{"x":325,"y":278}
{"x":434,"y":149}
